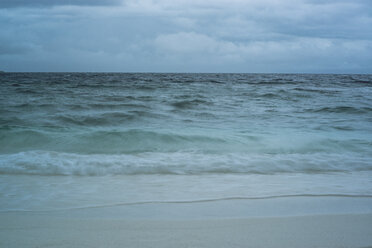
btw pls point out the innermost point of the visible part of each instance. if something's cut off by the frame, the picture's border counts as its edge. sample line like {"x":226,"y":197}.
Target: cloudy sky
{"x":311,"y":36}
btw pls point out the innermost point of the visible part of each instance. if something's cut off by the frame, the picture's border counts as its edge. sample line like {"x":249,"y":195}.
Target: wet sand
{"x":189,"y":225}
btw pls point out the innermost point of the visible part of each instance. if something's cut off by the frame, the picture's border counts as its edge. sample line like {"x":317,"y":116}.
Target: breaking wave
{"x":182,"y":163}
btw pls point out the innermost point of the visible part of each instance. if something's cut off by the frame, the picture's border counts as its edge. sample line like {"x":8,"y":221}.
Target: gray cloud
{"x":40,"y":3}
{"x":190,"y":35}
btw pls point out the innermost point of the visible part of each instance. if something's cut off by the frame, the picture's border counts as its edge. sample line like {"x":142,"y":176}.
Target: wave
{"x":111,"y":106}
{"x":111,"y":142}
{"x":94,"y":140}
{"x":109,"y":118}
{"x":277,"y":82}
{"x":323,"y":91}
{"x":341,"y":109}
{"x":178,"y":163}
{"x":187,"y":104}
{"x":113,"y":117}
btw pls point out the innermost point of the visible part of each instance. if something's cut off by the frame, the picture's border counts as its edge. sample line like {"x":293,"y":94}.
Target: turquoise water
{"x":181,"y":137}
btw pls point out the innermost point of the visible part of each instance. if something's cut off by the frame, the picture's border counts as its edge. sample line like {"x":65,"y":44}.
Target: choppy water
{"x":181,"y":137}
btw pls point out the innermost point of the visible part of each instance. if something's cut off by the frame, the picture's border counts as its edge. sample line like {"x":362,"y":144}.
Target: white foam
{"x":56,"y":163}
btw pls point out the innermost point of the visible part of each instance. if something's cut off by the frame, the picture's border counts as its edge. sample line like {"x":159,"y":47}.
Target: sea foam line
{"x":234,"y":198}
{"x":178,"y":163}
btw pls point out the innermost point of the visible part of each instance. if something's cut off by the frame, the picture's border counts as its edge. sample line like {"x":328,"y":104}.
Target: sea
{"x":82,"y":140}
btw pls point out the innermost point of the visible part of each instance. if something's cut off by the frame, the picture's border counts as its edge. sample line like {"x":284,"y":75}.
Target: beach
{"x":282,"y":222}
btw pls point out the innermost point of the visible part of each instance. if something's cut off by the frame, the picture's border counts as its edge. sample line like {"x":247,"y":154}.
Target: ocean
{"x":82,"y":140}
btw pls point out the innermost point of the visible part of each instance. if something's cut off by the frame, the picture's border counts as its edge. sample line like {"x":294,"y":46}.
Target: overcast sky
{"x":311,"y":36}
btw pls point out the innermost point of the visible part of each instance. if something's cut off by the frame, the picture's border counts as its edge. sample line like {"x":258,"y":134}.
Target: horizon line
{"x":149,"y":72}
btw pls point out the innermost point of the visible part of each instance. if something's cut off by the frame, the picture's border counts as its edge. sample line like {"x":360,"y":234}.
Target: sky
{"x":247,"y":36}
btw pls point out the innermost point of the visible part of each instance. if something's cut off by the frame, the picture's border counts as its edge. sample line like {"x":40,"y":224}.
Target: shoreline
{"x":295,"y":222}
{"x":239,"y":207}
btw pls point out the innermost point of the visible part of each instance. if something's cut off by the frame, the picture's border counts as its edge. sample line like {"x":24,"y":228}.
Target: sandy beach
{"x":287,"y":222}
